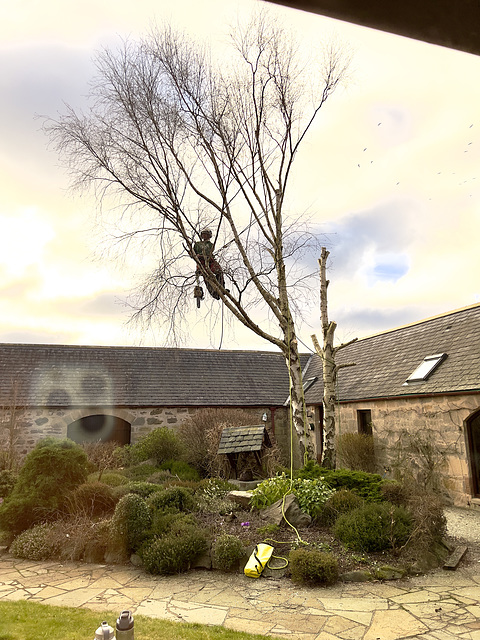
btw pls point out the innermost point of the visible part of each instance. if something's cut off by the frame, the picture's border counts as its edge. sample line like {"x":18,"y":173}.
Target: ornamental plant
{"x":311,"y":494}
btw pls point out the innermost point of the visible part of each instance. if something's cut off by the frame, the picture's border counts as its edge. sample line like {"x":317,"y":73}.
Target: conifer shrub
{"x":50,"y":472}
{"x":163,"y":523}
{"x":92,"y":499}
{"x":374,"y":527}
{"x":313,"y":567}
{"x":143,"y":489}
{"x":140,"y":472}
{"x":342,"y":501}
{"x":366,"y":485}
{"x":172,"y":499}
{"x":131,"y":522}
{"x":227,"y":552}
{"x":8,"y":478}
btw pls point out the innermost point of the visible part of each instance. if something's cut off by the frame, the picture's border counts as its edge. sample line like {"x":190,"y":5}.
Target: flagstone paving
{"x":443,"y":605}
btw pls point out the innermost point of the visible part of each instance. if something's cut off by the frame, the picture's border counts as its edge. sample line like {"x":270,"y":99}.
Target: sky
{"x":390,"y":176}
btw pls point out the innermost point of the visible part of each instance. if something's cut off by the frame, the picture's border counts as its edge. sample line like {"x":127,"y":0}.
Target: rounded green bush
{"x":112,"y":478}
{"x":227,"y":551}
{"x":92,"y":499}
{"x":314,"y":567}
{"x":50,"y":472}
{"x":374,"y":527}
{"x":160,"y":445}
{"x":143,"y":489}
{"x":163,"y":523}
{"x":131,"y":522}
{"x":35,"y":543}
{"x":172,"y":499}
{"x":342,"y":501}
{"x":174,"y":552}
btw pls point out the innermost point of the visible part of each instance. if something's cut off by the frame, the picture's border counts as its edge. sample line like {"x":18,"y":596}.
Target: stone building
{"x":418,"y":381}
{"x":121,"y":393}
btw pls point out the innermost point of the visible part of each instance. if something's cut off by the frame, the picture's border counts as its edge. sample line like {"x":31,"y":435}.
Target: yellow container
{"x":258,"y":560}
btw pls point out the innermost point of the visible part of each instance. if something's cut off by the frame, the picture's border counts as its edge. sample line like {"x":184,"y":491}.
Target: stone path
{"x":443,"y":605}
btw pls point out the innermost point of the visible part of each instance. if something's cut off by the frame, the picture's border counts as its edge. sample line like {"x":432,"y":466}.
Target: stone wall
{"x":442,"y":418}
{"x":37,"y":423}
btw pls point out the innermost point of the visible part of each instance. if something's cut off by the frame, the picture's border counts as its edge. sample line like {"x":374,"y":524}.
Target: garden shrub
{"x":50,"y":471}
{"x":163,"y":523}
{"x":211,"y":496}
{"x":100,"y":456}
{"x":131,"y":522}
{"x":356,"y":451}
{"x":367,"y":485}
{"x":160,"y":445}
{"x":140,"y":472}
{"x":227,"y":552}
{"x":143,"y":489}
{"x":8,"y":478}
{"x":35,"y":543}
{"x":159,"y":477}
{"x":374,"y":527}
{"x":342,"y":501}
{"x":175,"y":551}
{"x":112,"y":478}
{"x":311,"y":494}
{"x":313,"y":567}
{"x":93,"y":499}
{"x":172,"y":499}
{"x":181,"y":469}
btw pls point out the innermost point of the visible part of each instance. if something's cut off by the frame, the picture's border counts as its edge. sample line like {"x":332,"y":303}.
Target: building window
{"x":364,"y":419}
{"x":426,"y":368}
{"x":308,"y":383}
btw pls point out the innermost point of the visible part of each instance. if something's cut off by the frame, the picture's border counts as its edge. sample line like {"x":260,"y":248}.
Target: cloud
{"x":364,"y":318}
{"x":375,"y":241}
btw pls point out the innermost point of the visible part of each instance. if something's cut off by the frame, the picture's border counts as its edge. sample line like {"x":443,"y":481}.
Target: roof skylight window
{"x":308,"y":383}
{"x":426,"y":368}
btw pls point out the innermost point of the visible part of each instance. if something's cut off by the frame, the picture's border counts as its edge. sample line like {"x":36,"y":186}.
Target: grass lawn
{"x":33,"y":621}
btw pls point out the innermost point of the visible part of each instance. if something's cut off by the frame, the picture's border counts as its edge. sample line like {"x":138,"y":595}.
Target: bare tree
{"x":10,"y":424}
{"x":188,"y":144}
{"x":330,"y":367}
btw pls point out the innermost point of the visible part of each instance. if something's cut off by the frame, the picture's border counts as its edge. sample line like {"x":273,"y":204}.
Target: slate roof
{"x":385,"y":361}
{"x":238,"y":439}
{"x":59,"y":375}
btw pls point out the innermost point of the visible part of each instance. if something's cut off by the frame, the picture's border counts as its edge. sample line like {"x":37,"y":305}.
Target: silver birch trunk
{"x":330,"y":368}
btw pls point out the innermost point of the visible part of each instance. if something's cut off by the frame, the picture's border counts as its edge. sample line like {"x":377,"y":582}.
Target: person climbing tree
{"x":206,"y":263}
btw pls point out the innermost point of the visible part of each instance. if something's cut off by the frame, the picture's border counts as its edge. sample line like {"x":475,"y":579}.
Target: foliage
{"x":172,"y":499}
{"x":159,"y":477}
{"x":313,"y":567}
{"x":176,"y":550}
{"x":112,"y":478}
{"x":93,"y":499}
{"x":268,"y":530}
{"x":100,"y":455}
{"x":130,"y":522}
{"x":374,"y":527}
{"x":342,"y":501}
{"x":8,"y":478}
{"x":181,"y":469}
{"x":418,"y":457}
{"x":367,"y":485}
{"x":311,"y":494}
{"x":140,"y":472}
{"x":159,"y":445}
{"x":201,"y":433}
{"x":35,"y":543}
{"x":50,"y":471}
{"x":143,"y":489}
{"x":212,"y":496}
{"x":356,"y":451}
{"x":227,"y":551}
{"x":163,"y":522}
